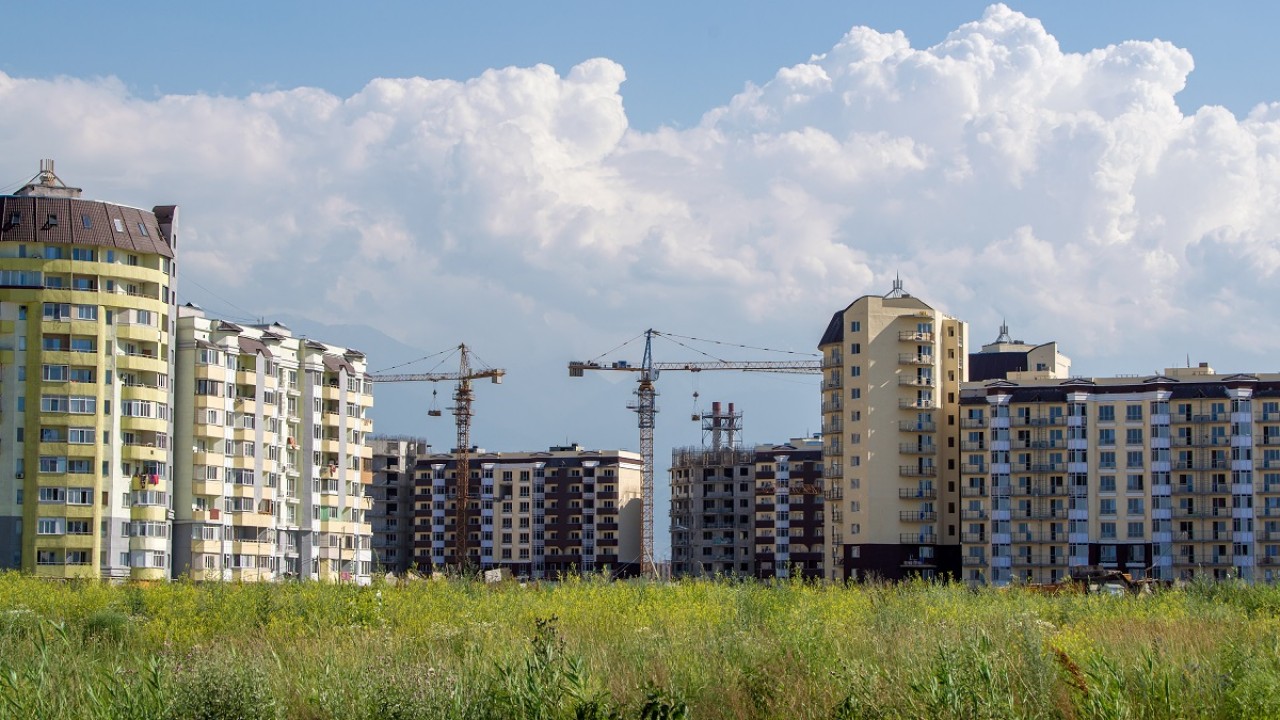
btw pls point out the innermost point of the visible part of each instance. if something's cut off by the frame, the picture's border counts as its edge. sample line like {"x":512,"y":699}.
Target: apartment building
{"x":536,"y":514}
{"x":272,"y":460}
{"x":789,"y":509}
{"x":86,"y":321}
{"x":892,"y":369}
{"x":391,"y":500}
{"x":1164,"y":476}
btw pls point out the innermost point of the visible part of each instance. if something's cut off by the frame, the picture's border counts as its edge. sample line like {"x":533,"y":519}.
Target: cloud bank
{"x":999,"y":175}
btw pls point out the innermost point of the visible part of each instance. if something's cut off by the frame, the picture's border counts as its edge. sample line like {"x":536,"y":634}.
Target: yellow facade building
{"x":86,"y":312}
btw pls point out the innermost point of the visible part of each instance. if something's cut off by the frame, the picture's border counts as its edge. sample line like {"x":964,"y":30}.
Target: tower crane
{"x":645,"y":407}
{"x":462,"y":399}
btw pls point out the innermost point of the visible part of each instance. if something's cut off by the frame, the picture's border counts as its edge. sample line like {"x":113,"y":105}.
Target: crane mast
{"x":463,"y":397}
{"x":645,"y":407}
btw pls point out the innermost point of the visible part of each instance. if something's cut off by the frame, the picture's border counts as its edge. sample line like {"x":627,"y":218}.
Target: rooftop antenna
{"x":897,"y":290}
{"x":1004,"y":332}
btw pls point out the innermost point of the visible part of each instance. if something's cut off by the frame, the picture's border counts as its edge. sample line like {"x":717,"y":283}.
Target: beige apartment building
{"x":893,"y":366}
{"x":86,"y":323}
{"x":272,"y":460}
{"x":566,"y":510}
{"x":1165,"y":476}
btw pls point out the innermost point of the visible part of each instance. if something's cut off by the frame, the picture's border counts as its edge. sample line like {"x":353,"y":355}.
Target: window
{"x":1108,"y":530}
{"x":856,"y":371}
{"x":57,"y":311}
{"x":15,"y":218}
{"x":80,"y":496}
{"x":855,"y":326}
{"x":80,"y":436}
{"x":82,"y":344}
{"x":51,"y":220}
{"x":49,"y":526}
{"x":855,"y":348}
{"x":86,"y":312}
{"x":1135,"y":506}
{"x":1107,"y":506}
{"x":1134,"y":483}
{"x":1135,"y":530}
{"x":86,"y":222}
{"x":52,"y":495}
{"x":82,"y":405}
{"x":1133,"y":413}
{"x":54,"y":373}
{"x":1106,"y":413}
{"x":78,"y":527}
{"x":1106,"y":436}
{"x":1133,"y":459}
{"x":82,"y":375}
{"x":119,"y":225}
{"x":142,"y":228}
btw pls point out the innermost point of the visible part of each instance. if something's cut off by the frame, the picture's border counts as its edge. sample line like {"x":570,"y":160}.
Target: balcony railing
{"x":918,"y":538}
{"x":973,"y":422}
{"x":916,"y":404}
{"x":915,"y":359}
{"x":917,"y":426}
{"x":973,"y":514}
{"x":917,"y":493}
{"x":980,"y":491}
{"x":973,"y":538}
{"x":917,"y":449}
{"x":918,"y":471}
{"x":1022,"y":420}
{"x":915,"y":336}
{"x":917,"y":516}
{"x":915,"y":381}
{"x":974,"y":560}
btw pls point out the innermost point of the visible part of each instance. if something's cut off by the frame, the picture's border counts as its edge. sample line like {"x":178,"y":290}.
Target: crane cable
{"x":736,"y":345}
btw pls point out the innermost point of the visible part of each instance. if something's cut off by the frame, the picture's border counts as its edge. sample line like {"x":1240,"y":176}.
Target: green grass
{"x":594,"y":649}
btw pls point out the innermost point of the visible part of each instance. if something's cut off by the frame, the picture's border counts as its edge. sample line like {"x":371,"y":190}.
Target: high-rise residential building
{"x":391,"y":500}
{"x":1164,"y":476}
{"x":272,"y":460}
{"x":890,"y":398}
{"x":789,"y":509}
{"x":537,"y":514}
{"x":86,"y":322}
{"x":1011,"y":359}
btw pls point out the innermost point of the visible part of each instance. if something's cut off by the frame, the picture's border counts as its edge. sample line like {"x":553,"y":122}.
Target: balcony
{"x":915,"y":359}
{"x":917,"y":471}
{"x":1201,"y":441}
{"x":834,"y":383}
{"x":915,"y":336}
{"x":1038,"y":560}
{"x":980,"y":491}
{"x":917,"y":516}
{"x":917,"y":493}
{"x":973,"y":469}
{"x":1202,"y":464}
{"x":909,"y":381}
{"x":918,"y":449}
{"x":1039,"y":491}
{"x":916,"y":404}
{"x":1043,"y":421}
{"x":834,"y":494}
{"x":917,"y":426}
{"x":831,"y":406}
{"x":973,"y":514}
{"x":974,"y":560}
{"x":1027,"y":444}
{"x":973,"y":538}
{"x":1202,"y":488}
{"x":924,"y":538}
{"x":1039,"y":538}
{"x":1201,"y":418}
{"x":973,"y":445}
{"x":973,"y":422}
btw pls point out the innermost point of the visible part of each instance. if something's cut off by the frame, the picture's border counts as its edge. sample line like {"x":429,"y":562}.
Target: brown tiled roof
{"x":253,"y":345}
{"x":35,"y":214}
{"x":332,"y":363}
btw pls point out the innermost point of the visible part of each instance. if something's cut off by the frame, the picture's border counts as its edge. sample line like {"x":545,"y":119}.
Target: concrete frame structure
{"x":537,"y":514}
{"x":272,"y":463}
{"x":391,"y":500}
{"x":86,"y":321}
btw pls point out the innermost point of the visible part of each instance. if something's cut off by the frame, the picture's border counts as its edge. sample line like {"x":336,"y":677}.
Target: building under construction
{"x":735,"y":511}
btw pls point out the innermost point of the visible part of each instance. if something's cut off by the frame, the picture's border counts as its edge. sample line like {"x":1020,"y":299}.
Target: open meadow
{"x":596,"y":649}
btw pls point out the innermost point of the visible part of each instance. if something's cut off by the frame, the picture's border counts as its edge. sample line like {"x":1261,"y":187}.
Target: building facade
{"x":789,"y":509}
{"x":1166,"y":476}
{"x":86,"y":324}
{"x":391,"y":501}
{"x":272,"y":460}
{"x":892,"y":368}
{"x":536,"y":514}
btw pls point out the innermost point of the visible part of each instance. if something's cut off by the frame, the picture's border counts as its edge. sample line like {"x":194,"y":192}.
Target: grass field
{"x":594,"y":649}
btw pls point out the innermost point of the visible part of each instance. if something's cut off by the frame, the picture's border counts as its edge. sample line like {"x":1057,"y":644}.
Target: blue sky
{"x":545,"y":181}
{"x":681,"y":58}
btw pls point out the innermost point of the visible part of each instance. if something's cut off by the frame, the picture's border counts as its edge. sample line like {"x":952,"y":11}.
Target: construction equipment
{"x":462,"y":399}
{"x":646,"y":408}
